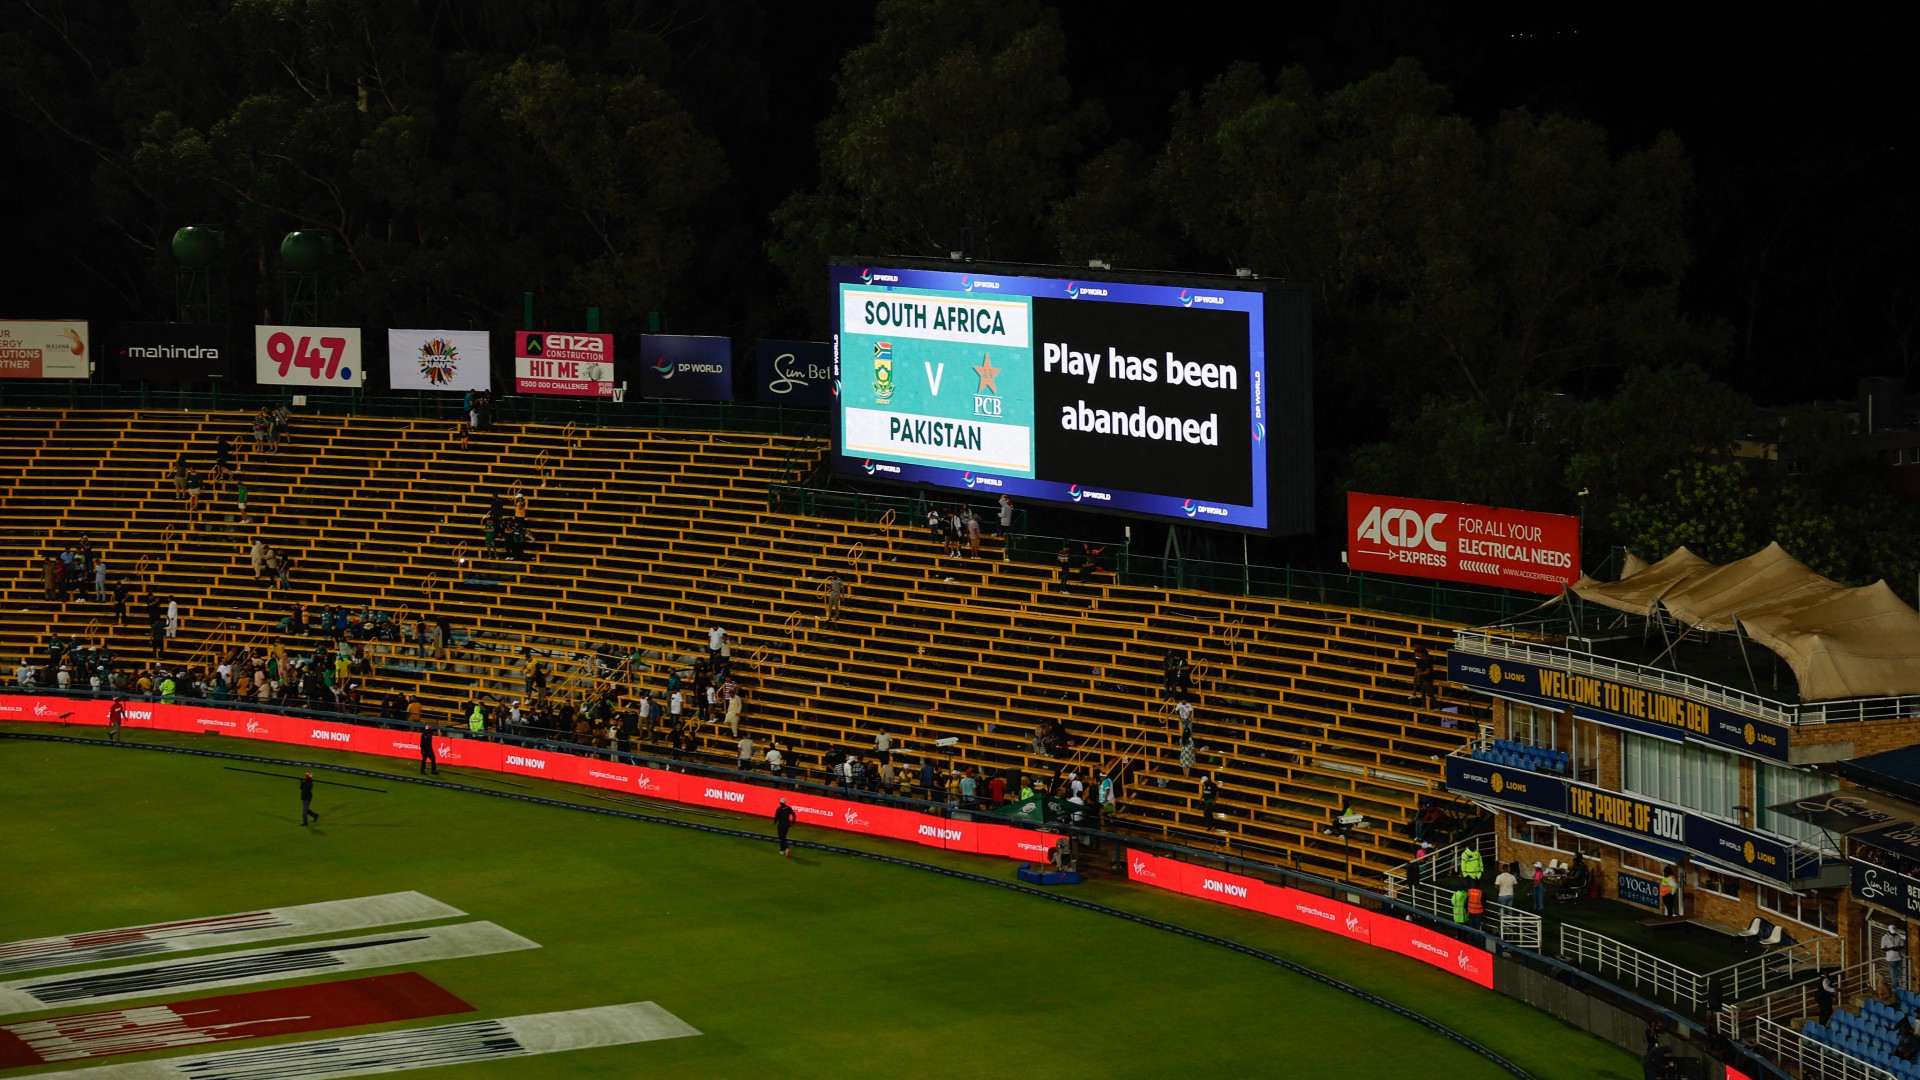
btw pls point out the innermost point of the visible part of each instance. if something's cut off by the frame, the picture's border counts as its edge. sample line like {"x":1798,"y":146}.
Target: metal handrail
{"x":1692,"y":988}
{"x":1812,"y":1058}
{"x":1501,"y":646}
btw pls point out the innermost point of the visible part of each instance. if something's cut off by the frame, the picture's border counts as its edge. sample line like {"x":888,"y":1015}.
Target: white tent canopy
{"x":1840,"y":642}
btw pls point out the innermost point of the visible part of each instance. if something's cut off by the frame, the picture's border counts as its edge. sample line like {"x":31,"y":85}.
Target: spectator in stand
{"x":776,"y":762}
{"x":1186,"y":756}
{"x":1539,"y":886}
{"x":972,"y":525}
{"x":1209,"y":795}
{"x":286,"y":568}
{"x":836,"y":590}
{"x":716,"y":643}
{"x":1065,"y":560}
{"x":1423,"y":681}
{"x":1006,"y":515}
{"x":969,"y":790}
{"x":731,"y":694}
{"x":240,"y":500}
{"x":100,"y":580}
{"x":997,"y":789}
{"x":937,"y":530}
{"x":257,"y":557}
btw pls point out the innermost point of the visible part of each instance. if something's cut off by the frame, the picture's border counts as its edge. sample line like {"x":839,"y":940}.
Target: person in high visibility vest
{"x":1459,"y":905}
{"x":1670,"y":893}
{"x":477,"y":722}
{"x":1476,"y":907}
{"x":1471,"y":864}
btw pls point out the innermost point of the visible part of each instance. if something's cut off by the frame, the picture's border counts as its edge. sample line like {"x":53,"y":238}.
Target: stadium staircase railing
{"x":1851,"y":983}
{"x":1521,"y":929}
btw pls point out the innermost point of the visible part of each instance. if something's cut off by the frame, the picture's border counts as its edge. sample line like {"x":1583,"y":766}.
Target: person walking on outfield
{"x":782,"y":821}
{"x":116,"y":716}
{"x":428,"y":760}
{"x":306,"y":800}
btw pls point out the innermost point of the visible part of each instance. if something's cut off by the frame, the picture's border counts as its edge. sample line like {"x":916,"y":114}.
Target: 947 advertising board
{"x":1448,"y":541}
{"x":1647,"y":711}
{"x":563,"y":362}
{"x":44,"y":349}
{"x":311,"y":357}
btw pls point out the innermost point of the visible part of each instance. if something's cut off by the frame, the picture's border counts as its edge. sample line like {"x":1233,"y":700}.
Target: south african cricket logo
{"x":883,"y":371}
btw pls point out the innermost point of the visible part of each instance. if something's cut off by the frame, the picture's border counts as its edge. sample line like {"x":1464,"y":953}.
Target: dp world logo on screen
{"x":967,"y":479}
{"x":1075,"y":493}
{"x":866,"y":275}
{"x":966,"y":282}
{"x":664,"y":367}
{"x":1073,"y":291}
{"x":868,"y":465}
{"x":1259,"y":431}
{"x":1188,"y":508}
{"x":1186,"y":298}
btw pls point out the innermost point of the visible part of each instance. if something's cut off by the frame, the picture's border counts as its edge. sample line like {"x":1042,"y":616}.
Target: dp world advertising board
{"x":1131,"y":396}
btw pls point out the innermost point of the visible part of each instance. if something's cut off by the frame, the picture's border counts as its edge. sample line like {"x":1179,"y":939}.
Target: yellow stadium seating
{"x":645,"y":538}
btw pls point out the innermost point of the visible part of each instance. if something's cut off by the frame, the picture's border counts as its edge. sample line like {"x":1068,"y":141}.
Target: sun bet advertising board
{"x":1449,"y":541}
{"x":563,"y":362}
{"x":44,"y":349}
{"x":1130,"y":396}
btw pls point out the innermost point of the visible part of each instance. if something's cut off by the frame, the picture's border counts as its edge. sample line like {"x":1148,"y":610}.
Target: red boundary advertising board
{"x":981,"y":837}
{"x":1449,"y":541}
{"x":1355,"y":923}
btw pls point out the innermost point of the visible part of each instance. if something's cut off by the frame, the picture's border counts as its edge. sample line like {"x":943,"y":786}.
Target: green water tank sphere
{"x":198,"y":245}
{"x":304,"y":250}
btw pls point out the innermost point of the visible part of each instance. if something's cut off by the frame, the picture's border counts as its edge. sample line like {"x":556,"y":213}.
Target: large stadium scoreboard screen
{"x":1128,"y":397}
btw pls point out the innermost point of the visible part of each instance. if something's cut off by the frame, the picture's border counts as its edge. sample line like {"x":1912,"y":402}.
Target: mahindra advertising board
{"x":1409,"y":939}
{"x":1448,"y":541}
{"x":985,"y":838}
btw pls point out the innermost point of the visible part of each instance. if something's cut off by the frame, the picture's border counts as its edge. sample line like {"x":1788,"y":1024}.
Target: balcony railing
{"x":1744,"y":702}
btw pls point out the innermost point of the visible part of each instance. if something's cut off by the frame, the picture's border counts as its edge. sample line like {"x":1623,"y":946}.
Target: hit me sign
{"x":1480,"y":545}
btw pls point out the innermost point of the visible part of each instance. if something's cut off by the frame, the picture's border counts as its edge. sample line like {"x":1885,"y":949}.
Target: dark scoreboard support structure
{"x":1182,"y":398}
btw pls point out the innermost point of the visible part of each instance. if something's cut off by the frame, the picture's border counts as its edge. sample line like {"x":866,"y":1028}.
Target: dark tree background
{"x":1555,"y":251}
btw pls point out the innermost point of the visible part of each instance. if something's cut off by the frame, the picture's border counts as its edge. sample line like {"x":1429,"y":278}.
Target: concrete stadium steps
{"x":645,"y":538}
